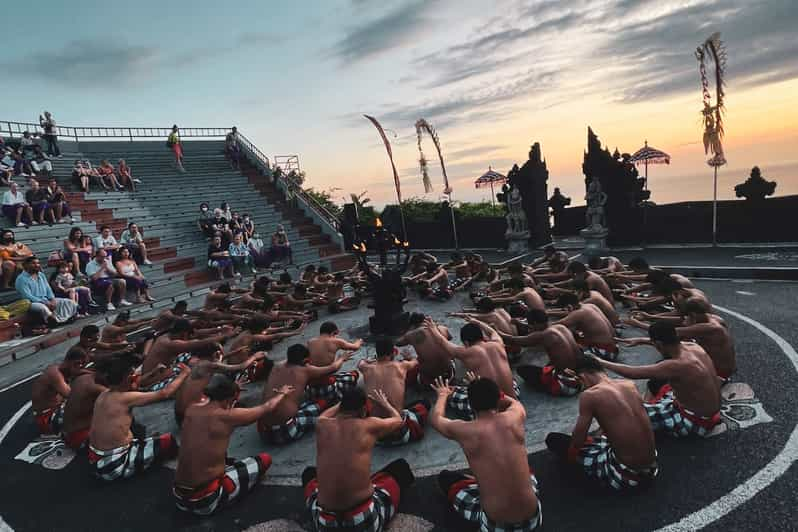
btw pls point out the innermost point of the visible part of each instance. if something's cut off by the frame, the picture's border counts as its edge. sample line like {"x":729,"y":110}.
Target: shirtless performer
{"x":624,"y":457}
{"x":166,"y":318}
{"x":79,"y":409}
{"x":257,"y":329}
{"x":113,"y":451}
{"x":462,"y":272}
{"x":597,"y":333}
{"x":116,"y":332}
{"x":322,"y":351}
{"x":605,"y":265}
{"x":690,"y":403}
{"x":205,"y":481}
{"x":390,"y":375}
{"x":502,"y":493}
{"x":342,"y":494}
{"x":562,"y":349}
{"x":483,"y":354}
{"x":90,"y":341}
{"x":556,"y":262}
{"x":708,"y":330}
{"x":220,"y":294}
{"x":295,"y":416}
{"x":588,"y":295}
{"x":51,"y":388}
{"x":176,"y":346}
{"x":209,"y":363}
{"x":525,"y":294}
{"x":594,"y":281}
{"x":488,"y":312}
{"x":432,"y":361}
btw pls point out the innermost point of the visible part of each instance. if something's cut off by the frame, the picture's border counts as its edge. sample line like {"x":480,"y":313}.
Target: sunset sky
{"x":492,"y":77}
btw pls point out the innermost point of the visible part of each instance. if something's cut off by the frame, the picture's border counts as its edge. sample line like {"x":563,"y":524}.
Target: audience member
{"x":219,"y":258}
{"x":80,"y":177}
{"x":249,"y":227}
{"x":281,"y":247}
{"x":133,"y":240}
{"x":227,"y":213}
{"x":103,"y":278}
{"x":36,"y":197}
{"x":108,"y":176}
{"x":174,"y":144}
{"x":127,"y":268}
{"x":12,"y":254}
{"x":125,"y":176}
{"x":64,"y":285}
{"x":41,"y":163}
{"x":26,"y":144}
{"x":239,"y":253}
{"x":231,"y":149}
{"x":49,"y":136}
{"x":33,"y":286}
{"x":106,"y":240}
{"x":15,"y":208}
{"x":57,"y":200}
{"x":76,"y":251}
{"x":204,"y":222}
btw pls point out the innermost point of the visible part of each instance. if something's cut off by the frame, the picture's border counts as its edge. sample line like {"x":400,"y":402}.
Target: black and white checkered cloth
{"x":294,"y":428}
{"x":598,"y":460}
{"x":333,"y":388}
{"x":132,"y":459}
{"x":238,"y":480}
{"x":466,"y":502}
{"x":666,"y":416}
{"x":458,"y":402}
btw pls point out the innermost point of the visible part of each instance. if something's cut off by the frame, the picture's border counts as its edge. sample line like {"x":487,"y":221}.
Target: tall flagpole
{"x":395,"y":173}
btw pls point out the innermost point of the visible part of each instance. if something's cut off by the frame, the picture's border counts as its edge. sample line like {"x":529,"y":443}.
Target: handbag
{"x":56,"y":257}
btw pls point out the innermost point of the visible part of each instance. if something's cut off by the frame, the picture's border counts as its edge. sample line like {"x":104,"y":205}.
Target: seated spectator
{"x":21,"y":165}
{"x":80,"y":176}
{"x":57,"y":200}
{"x":231,"y":149}
{"x":235,"y":224}
{"x":76,"y":251}
{"x":281,"y":247}
{"x":12,"y":255}
{"x":33,"y":286}
{"x":106,"y":240}
{"x":64,"y":285}
{"x":221,"y":226}
{"x":108,"y":176}
{"x":6,"y":169}
{"x":133,"y":240}
{"x":239,"y":253}
{"x":26,"y":144}
{"x":219,"y":258}
{"x":204,"y":221}
{"x":36,"y":197}
{"x":127,"y":268}
{"x":125,"y":175}
{"x":249,"y":227}
{"x":41,"y":163}
{"x":227,"y":214}
{"x":259,"y":252}
{"x":15,"y":208}
{"x":93,"y":173}
{"x":104,"y":279}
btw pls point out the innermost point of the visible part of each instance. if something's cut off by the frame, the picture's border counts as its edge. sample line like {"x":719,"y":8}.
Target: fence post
{"x":130,"y":134}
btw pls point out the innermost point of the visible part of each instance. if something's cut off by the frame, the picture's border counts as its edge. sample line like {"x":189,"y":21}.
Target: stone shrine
{"x":517,"y":234}
{"x":530,"y":180}
{"x":756,"y":187}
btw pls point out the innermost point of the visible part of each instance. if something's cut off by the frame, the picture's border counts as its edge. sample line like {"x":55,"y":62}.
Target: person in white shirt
{"x":15,"y":208}
{"x":133,"y":240}
{"x":105,"y":240}
{"x":104,"y":279}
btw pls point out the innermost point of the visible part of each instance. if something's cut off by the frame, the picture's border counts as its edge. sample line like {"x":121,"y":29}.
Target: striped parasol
{"x":648,"y":155}
{"x":490,"y":178}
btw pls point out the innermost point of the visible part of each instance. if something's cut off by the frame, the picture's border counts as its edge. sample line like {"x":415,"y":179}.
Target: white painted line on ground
{"x":26,"y":379}
{"x":744,"y":293}
{"x":4,"y":526}
{"x":765,"y":476}
{"x":13,"y":421}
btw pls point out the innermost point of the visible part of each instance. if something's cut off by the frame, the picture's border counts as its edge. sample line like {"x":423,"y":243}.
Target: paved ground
{"x":694,"y":473}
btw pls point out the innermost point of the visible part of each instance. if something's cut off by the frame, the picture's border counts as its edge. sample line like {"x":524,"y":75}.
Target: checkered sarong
{"x":598,"y":460}
{"x":370,"y":516}
{"x":238,"y":480}
{"x":460,"y":404}
{"x":464,"y":498}
{"x":133,"y":458}
{"x":413,"y":420}
{"x":670,"y":417}
{"x":294,"y":428}
{"x":456,"y":283}
{"x":559,"y":384}
{"x":607,"y":352}
{"x":51,"y":420}
{"x":331,"y":387}
{"x":180,"y":359}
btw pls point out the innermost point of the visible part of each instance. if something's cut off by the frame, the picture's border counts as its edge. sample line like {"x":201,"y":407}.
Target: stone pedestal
{"x":517,"y":243}
{"x":595,"y":241}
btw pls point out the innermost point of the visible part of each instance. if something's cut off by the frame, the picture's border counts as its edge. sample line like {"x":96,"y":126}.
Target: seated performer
{"x":342,"y":494}
{"x":79,"y":410}
{"x":294,"y":416}
{"x":502,"y":494}
{"x":707,"y":330}
{"x":390,"y":376}
{"x":256,"y":329}
{"x":482,"y":353}
{"x":208,"y":363}
{"x":594,"y":281}
{"x":113,"y":451}
{"x":51,"y":388}
{"x":166,"y":318}
{"x":176,"y":346}
{"x":624,"y":457}
{"x":597,"y":333}
{"x":690,"y":403}
{"x":604,"y":265}
{"x":322,"y":351}
{"x":205,"y":481}
{"x":488,"y":312}
{"x":563,"y":352}
{"x":432,"y":362}
{"x":462,"y":272}
{"x":588,"y":295}
{"x":518,"y":292}
{"x":338,"y":300}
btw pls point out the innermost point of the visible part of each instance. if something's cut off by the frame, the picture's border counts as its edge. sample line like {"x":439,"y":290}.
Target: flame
{"x":406,"y":244}
{"x":377,"y":223}
{"x":362,"y":247}
{"x":396,"y":241}
{"x":355,"y":247}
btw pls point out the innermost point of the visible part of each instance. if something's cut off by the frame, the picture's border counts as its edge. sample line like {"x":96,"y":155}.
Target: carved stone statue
{"x":596,"y":199}
{"x":517,"y":234}
{"x":756,"y":187}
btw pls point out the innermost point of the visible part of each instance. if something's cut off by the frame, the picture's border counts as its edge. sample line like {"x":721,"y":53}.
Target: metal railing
{"x":288,"y":163}
{"x":12,"y":129}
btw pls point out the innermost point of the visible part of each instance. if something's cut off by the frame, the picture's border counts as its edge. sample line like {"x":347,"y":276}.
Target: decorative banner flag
{"x":421,"y":126}
{"x":713,"y":114}
{"x":390,"y":156}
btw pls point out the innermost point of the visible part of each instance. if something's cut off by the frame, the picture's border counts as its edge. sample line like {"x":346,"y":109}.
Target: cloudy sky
{"x":491,"y":76}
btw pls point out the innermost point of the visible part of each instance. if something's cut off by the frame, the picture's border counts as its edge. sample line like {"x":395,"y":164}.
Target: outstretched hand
{"x":442,"y":387}
{"x":284,"y":389}
{"x":470,"y":377}
{"x":379,"y":397}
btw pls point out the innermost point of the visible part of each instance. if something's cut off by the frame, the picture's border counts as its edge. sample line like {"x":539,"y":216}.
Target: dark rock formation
{"x":531,"y":181}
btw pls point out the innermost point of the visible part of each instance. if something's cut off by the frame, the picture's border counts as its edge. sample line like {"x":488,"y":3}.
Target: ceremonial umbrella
{"x":648,"y":155}
{"x":489,"y":178}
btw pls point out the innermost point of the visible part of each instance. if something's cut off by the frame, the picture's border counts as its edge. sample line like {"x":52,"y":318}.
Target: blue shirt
{"x":35,"y":290}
